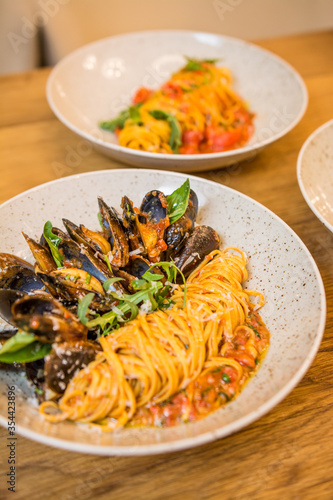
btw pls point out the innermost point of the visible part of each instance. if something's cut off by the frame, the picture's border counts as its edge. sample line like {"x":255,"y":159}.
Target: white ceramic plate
{"x":97,"y":81}
{"x":279,"y":265}
{"x":315,"y":173}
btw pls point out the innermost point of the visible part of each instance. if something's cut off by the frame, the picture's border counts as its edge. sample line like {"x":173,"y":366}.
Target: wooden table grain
{"x":287,"y":454}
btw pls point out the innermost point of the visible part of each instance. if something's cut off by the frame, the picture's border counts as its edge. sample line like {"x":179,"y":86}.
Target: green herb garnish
{"x":178,"y":201}
{"x":149,"y":291}
{"x":110,"y":281}
{"x":53,"y":241}
{"x":176,"y":133}
{"x":254,"y":329}
{"x":225,"y":378}
{"x":99,"y":217}
{"x":224,"y":394}
{"x":132,"y":113}
{"x":83,"y":307}
{"x":198,"y":64}
{"x":31,"y":352}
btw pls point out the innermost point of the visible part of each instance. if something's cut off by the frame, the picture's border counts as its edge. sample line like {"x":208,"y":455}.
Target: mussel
{"x":83,"y":258}
{"x":65,"y":361}
{"x":153,"y":221}
{"x":34,"y":371}
{"x":42,"y":255}
{"x":87,"y":238}
{"x":115,"y":234}
{"x":70,"y":285}
{"x":177,"y":233}
{"x":47,"y":319}
{"x":202,"y":241}
{"x":22,"y":279}
{"x":9,"y":260}
{"x":7,"y":299}
{"x":130,"y":223}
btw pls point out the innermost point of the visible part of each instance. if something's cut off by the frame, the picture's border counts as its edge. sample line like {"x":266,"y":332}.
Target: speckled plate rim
{"x":178,"y":158}
{"x":301,"y":155}
{"x":206,"y":437}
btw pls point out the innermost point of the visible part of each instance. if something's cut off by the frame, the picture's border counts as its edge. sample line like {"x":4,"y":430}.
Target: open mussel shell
{"x":178,"y":232}
{"x":46,"y":318}
{"x":130,"y":223}
{"x":42,"y":254}
{"x":137,"y":266}
{"x":83,"y":258}
{"x":9,"y":260}
{"x":114,"y":232}
{"x":203,"y":240}
{"x":7,"y":299}
{"x":90,"y":240}
{"x":65,"y":361}
{"x":34,"y":371}
{"x":153,"y":207}
{"x":22,"y":279}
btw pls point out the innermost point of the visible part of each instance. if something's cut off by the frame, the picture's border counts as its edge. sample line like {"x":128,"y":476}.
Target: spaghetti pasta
{"x":173,"y":365}
{"x":195,"y":111}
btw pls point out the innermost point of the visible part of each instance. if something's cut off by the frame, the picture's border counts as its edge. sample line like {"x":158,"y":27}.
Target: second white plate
{"x":97,"y":81}
{"x":315,"y":173}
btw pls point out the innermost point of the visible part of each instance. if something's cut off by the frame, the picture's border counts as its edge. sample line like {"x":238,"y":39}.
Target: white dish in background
{"x":279,"y":265}
{"x":315,"y":173}
{"x":97,"y":81}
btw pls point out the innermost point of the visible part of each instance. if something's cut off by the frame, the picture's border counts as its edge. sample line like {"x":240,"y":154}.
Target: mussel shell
{"x":155,"y":206}
{"x":130,"y":219}
{"x":178,"y":232}
{"x":7,"y":299}
{"x":76,"y":233}
{"x":83,"y":258}
{"x":42,"y":254}
{"x":65,"y":361}
{"x":7,"y":333}
{"x":203,"y":240}
{"x":9,"y":260}
{"x":137,"y":266}
{"x":20,"y":278}
{"x":35,"y":374}
{"x":114,"y":232}
{"x":46,"y":318}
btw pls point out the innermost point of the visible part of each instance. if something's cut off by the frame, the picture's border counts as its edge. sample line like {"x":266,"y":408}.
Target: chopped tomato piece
{"x":142,"y":95}
{"x":219,"y":139}
{"x":172,"y":90}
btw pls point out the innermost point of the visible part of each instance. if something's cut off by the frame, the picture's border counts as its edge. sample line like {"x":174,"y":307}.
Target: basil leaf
{"x":178,"y":201}
{"x":119,"y":122}
{"x":197,"y":64}
{"x":135,"y":113}
{"x":176,"y":133}
{"x":83,"y":307}
{"x":32,"y":352}
{"x":53,"y":242}
{"x":158,"y":114}
{"x":17,"y":342}
{"x":110,"y":281}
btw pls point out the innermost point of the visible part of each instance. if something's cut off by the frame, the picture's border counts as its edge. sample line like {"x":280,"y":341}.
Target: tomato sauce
{"x":214,"y":388}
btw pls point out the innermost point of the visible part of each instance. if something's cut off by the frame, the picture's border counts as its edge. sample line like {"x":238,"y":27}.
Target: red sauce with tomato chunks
{"x":142,"y":95}
{"x":216,"y":138}
{"x":213,"y":388}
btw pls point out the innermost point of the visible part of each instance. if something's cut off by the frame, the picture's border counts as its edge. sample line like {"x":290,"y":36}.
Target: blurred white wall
{"x":65,"y":25}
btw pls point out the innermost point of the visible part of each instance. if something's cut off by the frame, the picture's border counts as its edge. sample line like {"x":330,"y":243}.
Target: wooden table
{"x":288,"y":454}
